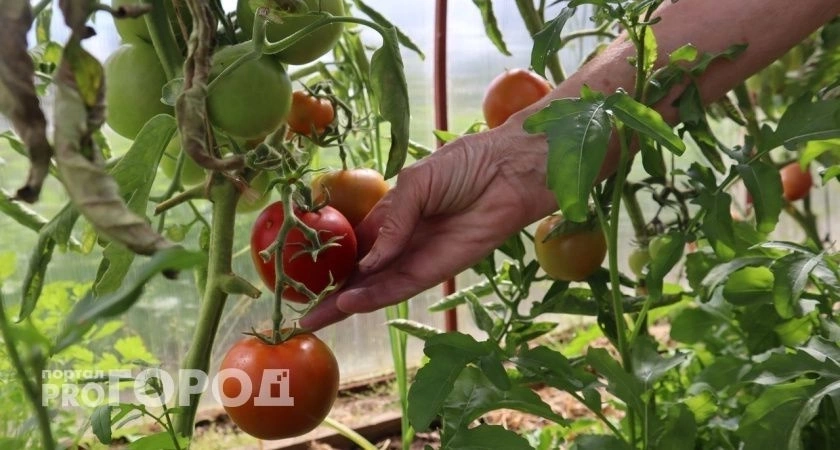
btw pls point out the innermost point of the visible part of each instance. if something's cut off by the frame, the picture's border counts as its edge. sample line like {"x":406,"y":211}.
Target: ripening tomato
{"x":511,"y":92}
{"x":352,"y":192}
{"x":309,"y":114}
{"x":278,"y":391}
{"x":796,"y":183}
{"x":311,"y":47}
{"x":569,"y":257}
{"x":134,"y":80}
{"x":336,"y":263}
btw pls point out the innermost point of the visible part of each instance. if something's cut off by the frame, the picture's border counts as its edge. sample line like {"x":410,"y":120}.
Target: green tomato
{"x":657,"y":244}
{"x":638,"y":260}
{"x":254,"y":99}
{"x":133,"y":82}
{"x":260,"y":185}
{"x":191,"y":173}
{"x":314,"y":45}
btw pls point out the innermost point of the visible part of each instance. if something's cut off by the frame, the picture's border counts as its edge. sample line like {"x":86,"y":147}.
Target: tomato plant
{"x":309,"y":115}
{"x":510,"y":92}
{"x":796,"y":183}
{"x":298,"y":377}
{"x":572,"y":256}
{"x":352,"y":192}
{"x":257,"y":196}
{"x":254,"y":99}
{"x":135,"y":79}
{"x":333,"y":264}
{"x":314,"y":45}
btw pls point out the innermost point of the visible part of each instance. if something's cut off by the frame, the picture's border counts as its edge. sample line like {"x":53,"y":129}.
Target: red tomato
{"x":352,"y":192}
{"x":309,"y":113}
{"x":338,"y":261}
{"x":569,"y":257}
{"x":795,"y":183}
{"x":299,"y":382}
{"x":511,"y":92}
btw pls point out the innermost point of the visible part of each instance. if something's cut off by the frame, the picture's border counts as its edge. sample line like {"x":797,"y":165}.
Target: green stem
{"x":398,"y":342}
{"x":634,"y":212}
{"x":163,"y":39}
{"x":534,"y":23}
{"x":33,"y":393}
{"x":39,"y":7}
{"x":219,"y":11}
{"x":224,"y":196}
{"x":349,"y":433}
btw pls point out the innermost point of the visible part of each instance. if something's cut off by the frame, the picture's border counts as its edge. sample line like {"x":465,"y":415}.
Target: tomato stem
{"x":163,"y":39}
{"x":224,"y":196}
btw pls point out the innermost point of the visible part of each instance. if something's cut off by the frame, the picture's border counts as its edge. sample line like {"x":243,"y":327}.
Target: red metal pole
{"x":442,"y":120}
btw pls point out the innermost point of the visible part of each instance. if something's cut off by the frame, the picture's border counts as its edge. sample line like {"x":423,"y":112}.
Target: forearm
{"x":769,"y":28}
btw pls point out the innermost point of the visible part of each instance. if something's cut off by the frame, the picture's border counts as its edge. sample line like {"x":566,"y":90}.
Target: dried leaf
{"x":92,"y":190}
{"x":18,"y":98}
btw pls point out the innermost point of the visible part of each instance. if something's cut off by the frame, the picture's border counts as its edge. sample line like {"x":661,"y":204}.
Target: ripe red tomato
{"x":511,"y":92}
{"x":796,"y":183}
{"x":338,"y":261}
{"x":352,"y":192}
{"x":309,"y":113}
{"x":298,"y":376}
{"x":569,"y":257}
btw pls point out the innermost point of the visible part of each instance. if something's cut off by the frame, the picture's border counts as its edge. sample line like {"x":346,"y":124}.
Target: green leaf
{"x":620,"y":383}
{"x":652,"y":159}
{"x":480,"y":289}
{"x":542,"y":364}
{"x":491,"y":25}
{"x":693,"y":325}
{"x":158,"y":441}
{"x":779,"y":368}
{"x":721,"y":273}
{"x":765,"y":186}
{"x":805,"y":121}
{"x":678,"y":430}
{"x":686,"y":53}
{"x":651,"y":49}
{"x":475,"y":395}
{"x":403,"y":38}
{"x":578,"y":132}
{"x":717,"y":222}
{"x":487,"y":437}
{"x":91,"y":309}
{"x":56,"y":232}
{"x":20,"y":213}
{"x":645,"y":120}
{"x":792,"y":274}
{"x":548,"y":41}
{"x":387,"y":76}
{"x":773,"y":419}
{"x":749,"y":286}
{"x":481,"y":316}
{"x":648,"y":365}
{"x":416,"y":329}
{"x":599,"y":442}
{"x":100,"y":423}
{"x":448,"y":355}
{"x":134,"y":173}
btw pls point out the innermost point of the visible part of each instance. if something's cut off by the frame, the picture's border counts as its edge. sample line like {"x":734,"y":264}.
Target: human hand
{"x":446,"y":213}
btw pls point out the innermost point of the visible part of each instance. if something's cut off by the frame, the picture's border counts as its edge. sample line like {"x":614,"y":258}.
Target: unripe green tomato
{"x":260,"y":185}
{"x":254,"y":99}
{"x":191,"y":173}
{"x":311,"y":47}
{"x":638,"y":260}
{"x":134,"y":79}
{"x":657,"y":244}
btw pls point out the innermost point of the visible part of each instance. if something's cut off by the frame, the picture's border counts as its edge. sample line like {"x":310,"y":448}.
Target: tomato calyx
{"x":567,"y":227}
{"x":275,"y":336}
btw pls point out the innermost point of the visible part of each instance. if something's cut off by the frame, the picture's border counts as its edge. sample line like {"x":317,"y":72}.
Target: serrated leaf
{"x":548,"y":41}
{"x":578,"y":132}
{"x":413,"y":328}
{"x":791,"y":274}
{"x":134,"y":175}
{"x":542,"y":364}
{"x":480,"y":289}
{"x":645,"y":120}
{"x":805,"y":121}
{"x":765,"y":186}
{"x":491,"y":25}
{"x":387,"y":76}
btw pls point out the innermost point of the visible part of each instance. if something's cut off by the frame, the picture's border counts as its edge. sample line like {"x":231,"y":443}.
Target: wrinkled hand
{"x":445,"y":214}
